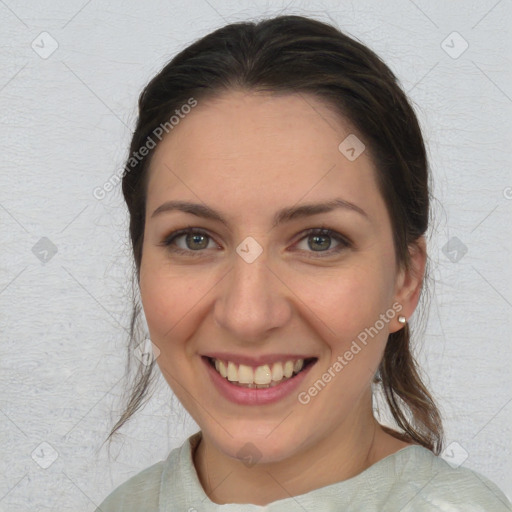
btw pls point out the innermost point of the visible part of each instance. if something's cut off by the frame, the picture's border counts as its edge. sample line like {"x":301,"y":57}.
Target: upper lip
{"x":256,"y":361}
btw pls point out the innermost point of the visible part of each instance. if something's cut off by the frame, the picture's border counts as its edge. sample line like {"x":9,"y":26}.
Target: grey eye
{"x":196,"y":241}
{"x":319,"y":242}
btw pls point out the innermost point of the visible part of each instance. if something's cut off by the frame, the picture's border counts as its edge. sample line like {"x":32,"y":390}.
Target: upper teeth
{"x":264,"y":374}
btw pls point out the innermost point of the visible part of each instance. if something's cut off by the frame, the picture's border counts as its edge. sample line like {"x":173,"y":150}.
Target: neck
{"x":348,"y":450}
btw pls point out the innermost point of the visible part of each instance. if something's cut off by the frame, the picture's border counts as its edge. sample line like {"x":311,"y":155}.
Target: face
{"x":276,"y":248}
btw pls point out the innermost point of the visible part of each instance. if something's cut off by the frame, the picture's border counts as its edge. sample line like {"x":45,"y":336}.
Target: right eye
{"x":189,"y":241}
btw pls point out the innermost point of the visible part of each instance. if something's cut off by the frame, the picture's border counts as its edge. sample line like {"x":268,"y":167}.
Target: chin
{"x":245,"y":444}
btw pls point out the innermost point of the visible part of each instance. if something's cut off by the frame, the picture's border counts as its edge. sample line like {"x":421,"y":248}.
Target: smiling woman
{"x":278,"y":238}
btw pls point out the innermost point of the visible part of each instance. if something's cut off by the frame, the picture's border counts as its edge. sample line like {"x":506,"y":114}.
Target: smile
{"x":260,"y":377}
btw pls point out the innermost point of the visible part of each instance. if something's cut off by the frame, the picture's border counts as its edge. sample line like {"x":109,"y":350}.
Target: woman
{"x":278,"y":192}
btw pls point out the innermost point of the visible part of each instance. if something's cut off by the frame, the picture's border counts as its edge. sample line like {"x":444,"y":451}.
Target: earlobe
{"x":399,"y":322}
{"x":410,"y":281}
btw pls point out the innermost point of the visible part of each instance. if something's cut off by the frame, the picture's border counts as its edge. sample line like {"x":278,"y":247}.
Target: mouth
{"x":264,"y":376}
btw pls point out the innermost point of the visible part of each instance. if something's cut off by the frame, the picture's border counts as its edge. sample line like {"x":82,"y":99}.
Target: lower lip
{"x":254,"y":396}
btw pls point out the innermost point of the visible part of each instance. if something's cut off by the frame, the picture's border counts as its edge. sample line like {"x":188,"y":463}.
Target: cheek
{"x":348,"y":304}
{"x":171,"y":298}
{"x":349,"y":309}
{"x":347,"y":299}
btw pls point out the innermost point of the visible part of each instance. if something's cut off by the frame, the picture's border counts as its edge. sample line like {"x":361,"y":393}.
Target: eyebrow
{"x":284,"y":215}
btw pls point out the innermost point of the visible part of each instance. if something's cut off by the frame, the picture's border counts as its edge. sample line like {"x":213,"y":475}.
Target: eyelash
{"x":344,"y":243}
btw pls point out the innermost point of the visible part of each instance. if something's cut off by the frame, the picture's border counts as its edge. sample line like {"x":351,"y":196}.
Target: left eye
{"x":321,"y":240}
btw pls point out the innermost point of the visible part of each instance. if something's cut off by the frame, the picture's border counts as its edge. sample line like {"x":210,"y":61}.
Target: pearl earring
{"x":402,"y":319}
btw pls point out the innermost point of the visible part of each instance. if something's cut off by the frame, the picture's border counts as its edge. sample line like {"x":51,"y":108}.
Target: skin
{"x":247,"y":155}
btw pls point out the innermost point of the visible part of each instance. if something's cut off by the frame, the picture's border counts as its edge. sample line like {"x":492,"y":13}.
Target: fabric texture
{"x":412,"y":479}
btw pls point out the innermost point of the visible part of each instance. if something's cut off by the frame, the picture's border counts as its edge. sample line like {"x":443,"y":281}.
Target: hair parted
{"x":299,"y":55}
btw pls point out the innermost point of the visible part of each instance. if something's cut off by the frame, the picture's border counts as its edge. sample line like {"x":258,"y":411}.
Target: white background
{"x":66,"y":121}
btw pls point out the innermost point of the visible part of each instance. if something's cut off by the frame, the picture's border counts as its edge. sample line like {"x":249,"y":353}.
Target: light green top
{"x":412,"y":479}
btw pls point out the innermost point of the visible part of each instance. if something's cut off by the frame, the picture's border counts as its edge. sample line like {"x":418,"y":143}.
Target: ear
{"x":409,"y":282}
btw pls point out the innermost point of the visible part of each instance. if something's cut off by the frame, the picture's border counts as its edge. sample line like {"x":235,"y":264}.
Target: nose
{"x":253,"y":301}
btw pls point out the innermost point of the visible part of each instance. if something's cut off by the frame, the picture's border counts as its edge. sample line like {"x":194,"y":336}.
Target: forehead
{"x":262,"y":147}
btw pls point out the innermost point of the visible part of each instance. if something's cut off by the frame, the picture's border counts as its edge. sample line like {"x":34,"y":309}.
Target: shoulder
{"x":140,"y":492}
{"x":159,"y":486}
{"x":428,"y":482}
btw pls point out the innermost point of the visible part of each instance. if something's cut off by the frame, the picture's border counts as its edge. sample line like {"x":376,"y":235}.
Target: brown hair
{"x":294,"y":54}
